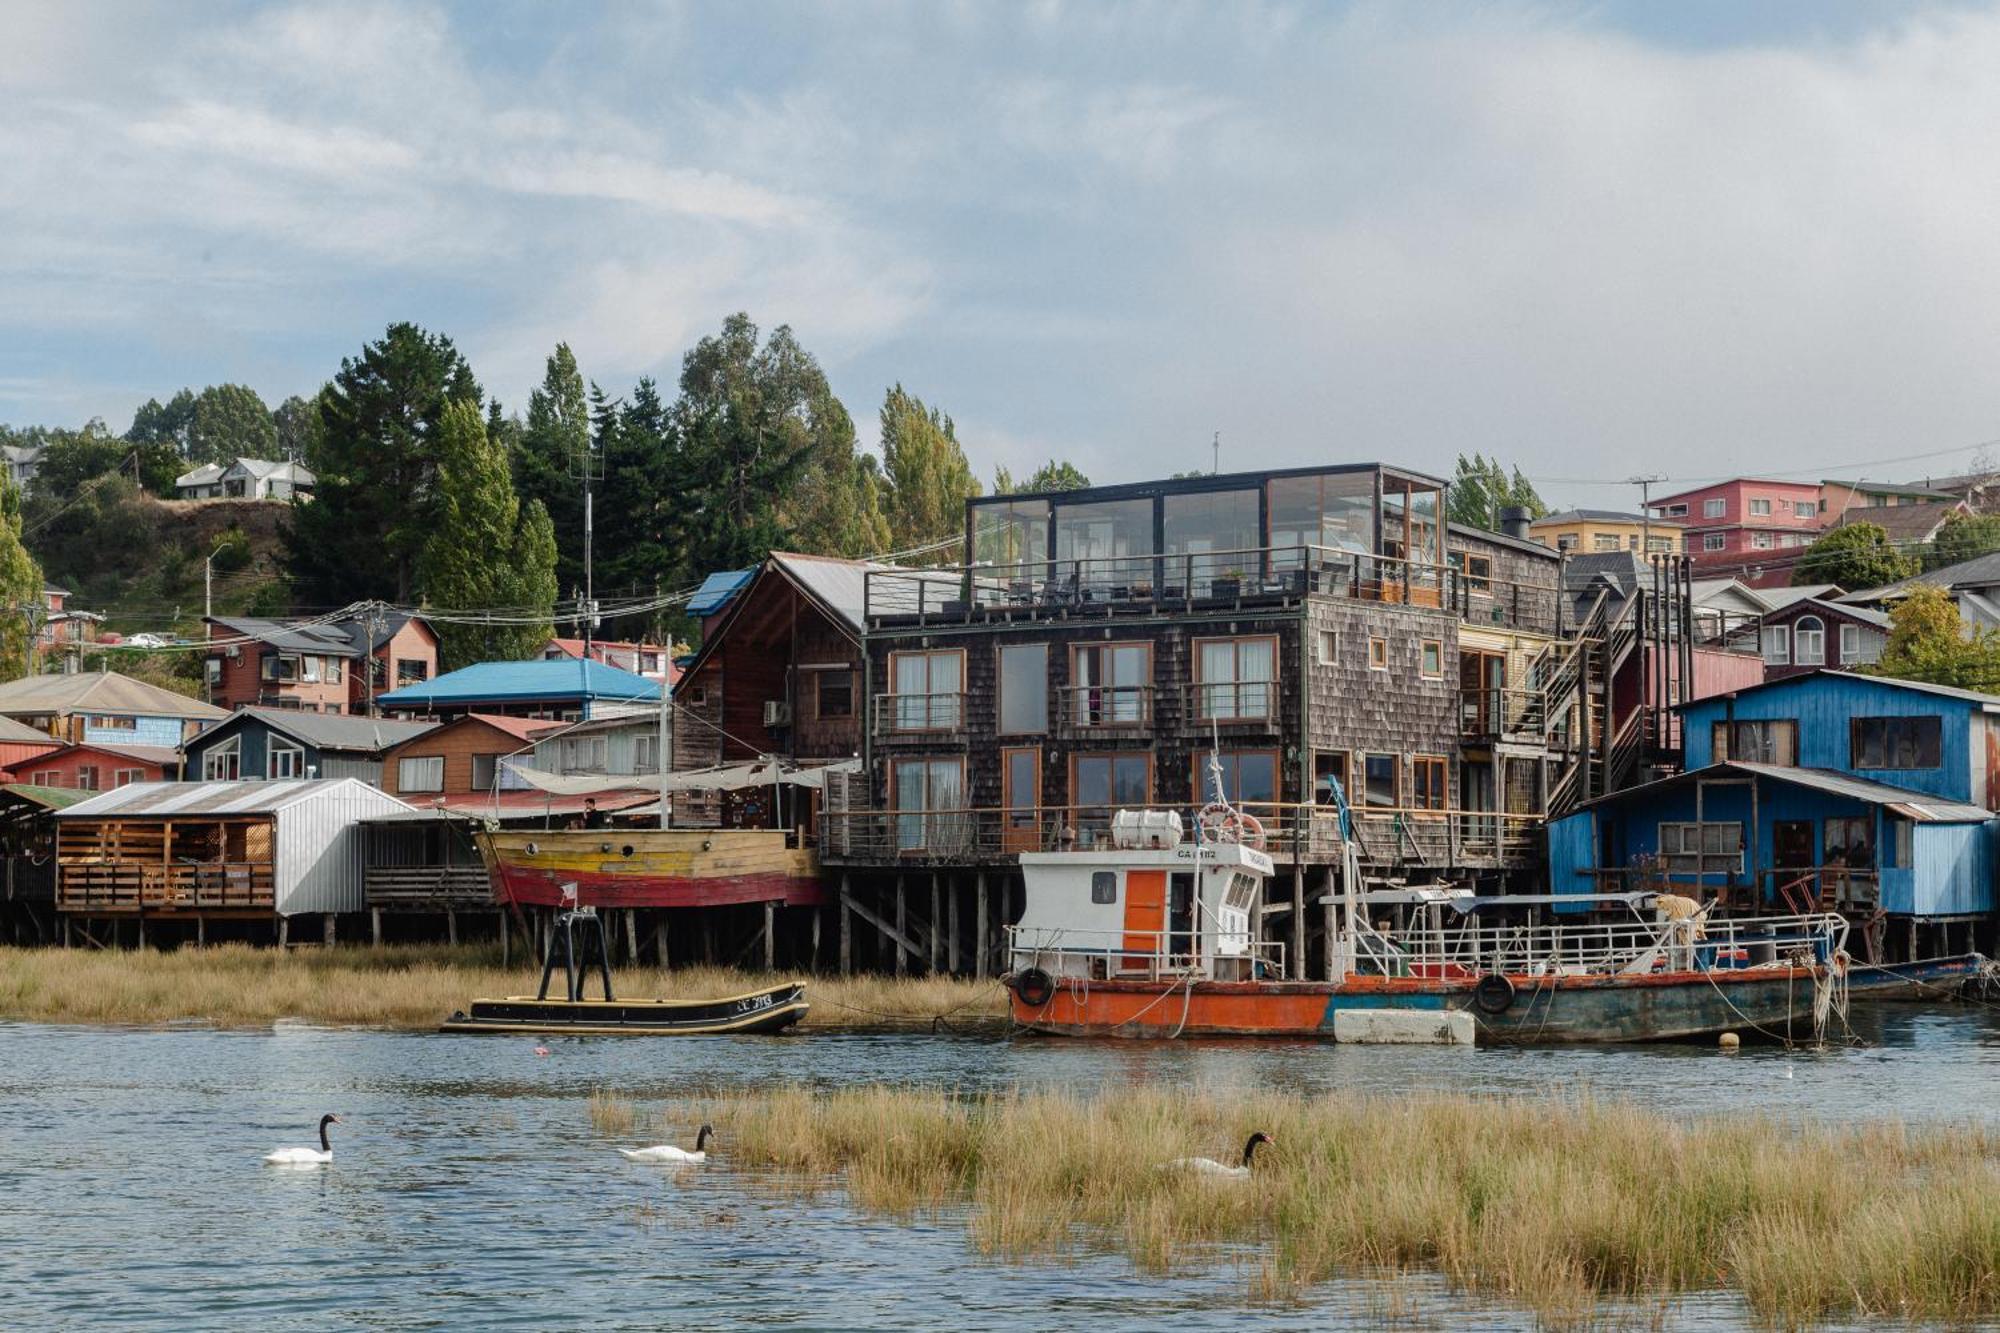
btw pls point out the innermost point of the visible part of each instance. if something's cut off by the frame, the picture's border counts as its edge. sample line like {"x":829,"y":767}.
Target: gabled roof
{"x":335,"y":638}
{"x":716,"y":591}
{"x":565,"y":680}
{"x":322,"y":731}
{"x":250,"y":796}
{"x":100,"y":692}
{"x":1920,"y":806}
{"x":49,"y":798}
{"x":20,"y":733}
{"x":838,"y":587}
{"x":1607,"y":516}
{"x":523,"y":729}
{"x":1988,"y":702}
{"x":157,"y":755}
{"x":1522,"y":544}
{"x":1890,"y":488}
{"x":205,"y":475}
{"x":1707,"y":592}
{"x":1982,"y":571}
{"x":1779,"y":598}
{"x":1807,"y":605}
{"x":1903,"y":523}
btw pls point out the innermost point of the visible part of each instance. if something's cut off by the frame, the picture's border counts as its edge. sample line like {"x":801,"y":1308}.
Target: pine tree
{"x":230,"y":421}
{"x":928,"y":478}
{"x":20,"y":586}
{"x":484,"y":552}
{"x":553,"y":443}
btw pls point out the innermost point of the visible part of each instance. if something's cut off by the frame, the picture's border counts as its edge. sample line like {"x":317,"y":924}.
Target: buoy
{"x":1729,"y":1041}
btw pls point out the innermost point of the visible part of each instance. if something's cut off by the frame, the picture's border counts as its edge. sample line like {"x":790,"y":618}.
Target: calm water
{"x":471,"y":1191}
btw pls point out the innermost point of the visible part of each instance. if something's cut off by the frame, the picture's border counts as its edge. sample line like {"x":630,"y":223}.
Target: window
{"x":1378,"y":654}
{"x":1805,"y":508}
{"x":1430,"y":660}
{"x":833,"y":694}
{"x":1674,"y":511}
{"x":1714,"y":508}
{"x":1853,"y":648}
{"x":1024,"y":689}
{"x":1249,"y":777}
{"x":926,"y":688}
{"x":1235,"y":678}
{"x":1378,"y":781}
{"x":1714,"y":541}
{"x":1103,"y":887}
{"x":1659,"y":545}
{"x":1111,"y":684}
{"x":223,"y":761}
{"x":1760,"y":508}
{"x":211,"y":671}
{"x":1566,"y":541}
{"x":279,"y":668}
{"x":112,"y":723}
{"x":1809,"y":641}
{"x":1761,"y":541}
{"x":422,"y":773}
{"x":1106,"y":782}
{"x":1896,"y":742}
{"x":309,"y":670}
{"x":1428,"y":785}
{"x":649,"y":664}
{"x":1329,"y":777}
{"x":645,"y":758}
{"x":1105,"y":544}
{"x":929,"y":796}
{"x":1756,"y":742}
{"x":1479,"y":572}
{"x":47,"y":777}
{"x":333,"y":671}
{"x":125,"y":777}
{"x":1604,"y":541}
{"x":1702,"y":848}
{"x":87,"y":777}
{"x":412,"y":671}
{"x":585,"y":754}
{"x":1777,"y":642}
{"x":1899,"y":842}
{"x":1209,"y":535}
{"x":284,"y":761}
{"x":1850,"y":842}
{"x":486,"y":770}
{"x":1327,"y":647}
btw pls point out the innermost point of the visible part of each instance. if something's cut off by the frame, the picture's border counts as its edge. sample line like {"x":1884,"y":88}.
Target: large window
{"x":1012,"y":536}
{"x":1111,"y":684}
{"x":412,"y":671}
{"x":1854,"y":648}
{"x":930,"y":799}
{"x":422,"y":773}
{"x":1108,"y":782}
{"x":1024,"y":689}
{"x":1777,"y":645}
{"x":1756,"y":742}
{"x":1100,"y":545}
{"x":1380,"y":789}
{"x":1604,"y":541}
{"x":1215,"y":533}
{"x":927,"y":690}
{"x":1760,"y":508}
{"x":1850,"y":842}
{"x":1333,"y":512}
{"x":1429,"y":787}
{"x":1715,"y":541}
{"x":486,"y":767}
{"x":223,"y":761}
{"x":1896,"y":742}
{"x":284,"y":761}
{"x":1021,"y":799}
{"x":1236,"y":679}
{"x":1249,"y":777}
{"x":1715,"y":848}
{"x":1714,"y":508}
{"x":279,"y":668}
{"x":1809,"y":641}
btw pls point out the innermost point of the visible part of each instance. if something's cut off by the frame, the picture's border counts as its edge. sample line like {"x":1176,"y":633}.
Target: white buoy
{"x":1729,"y":1041}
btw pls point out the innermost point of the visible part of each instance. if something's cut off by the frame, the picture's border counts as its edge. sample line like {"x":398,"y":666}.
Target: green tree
{"x":1855,"y":556}
{"x":637,"y":509}
{"x":230,"y":421}
{"x":1482,"y":487}
{"x":296,"y":421}
{"x":484,"y":549}
{"x":20,"y":585}
{"x":373,"y":508}
{"x":1929,"y":641}
{"x":1963,"y":537}
{"x":927,"y":476}
{"x":554,"y":443}
{"x":167,"y":423}
{"x":1053,"y":475}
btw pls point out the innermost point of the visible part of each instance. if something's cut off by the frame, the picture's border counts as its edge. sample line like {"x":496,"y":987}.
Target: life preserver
{"x":1033,"y":987}
{"x":1493,"y":993}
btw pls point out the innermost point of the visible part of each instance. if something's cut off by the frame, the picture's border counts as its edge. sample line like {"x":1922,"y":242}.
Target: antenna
{"x":1217,"y":446}
{"x":1645,"y":485}
{"x":587,"y":465}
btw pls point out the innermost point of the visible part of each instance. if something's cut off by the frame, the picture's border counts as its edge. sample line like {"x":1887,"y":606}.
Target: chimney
{"x":1514,"y":521}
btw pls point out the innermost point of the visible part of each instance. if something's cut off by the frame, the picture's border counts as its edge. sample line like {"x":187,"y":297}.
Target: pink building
{"x":1746,"y":528}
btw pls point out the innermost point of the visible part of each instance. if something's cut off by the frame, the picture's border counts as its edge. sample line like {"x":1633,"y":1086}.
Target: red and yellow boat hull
{"x":650,"y":867}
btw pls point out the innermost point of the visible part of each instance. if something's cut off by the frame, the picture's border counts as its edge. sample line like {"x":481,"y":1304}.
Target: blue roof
{"x":561,"y":680}
{"x":716,"y":590}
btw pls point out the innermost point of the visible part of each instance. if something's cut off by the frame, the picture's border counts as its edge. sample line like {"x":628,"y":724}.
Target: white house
{"x":245,"y":479}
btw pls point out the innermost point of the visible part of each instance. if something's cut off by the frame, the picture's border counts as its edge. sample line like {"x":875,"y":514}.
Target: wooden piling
{"x":327,"y":926}
{"x":951,"y":933}
{"x":1297,"y":971}
{"x":451,"y":926}
{"x":846,"y":930}
{"x":980,"y":957}
{"x":631,"y":937}
{"x":660,"y":940}
{"x":931,"y":952}
{"x":770,"y":936}
{"x":902,"y":925}
{"x":813,"y":964}
{"x":375,"y":926}
{"x":284,"y":930}
{"x":506,"y":939}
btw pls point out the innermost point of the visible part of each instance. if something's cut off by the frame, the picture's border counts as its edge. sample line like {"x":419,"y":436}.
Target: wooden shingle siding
{"x":1356,"y":709}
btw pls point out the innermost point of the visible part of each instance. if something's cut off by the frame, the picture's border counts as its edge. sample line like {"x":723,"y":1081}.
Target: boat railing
{"x":1473,"y":948}
{"x":1139,"y":955}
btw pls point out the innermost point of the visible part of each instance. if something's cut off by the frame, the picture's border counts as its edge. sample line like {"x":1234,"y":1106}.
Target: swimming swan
{"x":669,"y":1155}
{"x":1208,"y":1166}
{"x":306,"y":1156}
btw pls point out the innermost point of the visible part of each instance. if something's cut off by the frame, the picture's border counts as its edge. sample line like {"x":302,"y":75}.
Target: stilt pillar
{"x":951,"y":933}
{"x":846,"y":931}
{"x":375,"y":926}
{"x":980,"y":957}
{"x":902,"y":924}
{"x":770,"y":935}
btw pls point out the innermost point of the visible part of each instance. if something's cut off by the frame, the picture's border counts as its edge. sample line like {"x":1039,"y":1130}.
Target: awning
{"x":729,"y":777}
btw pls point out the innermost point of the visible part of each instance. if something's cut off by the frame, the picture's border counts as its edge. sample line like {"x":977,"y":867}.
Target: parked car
{"x":146,"y":641}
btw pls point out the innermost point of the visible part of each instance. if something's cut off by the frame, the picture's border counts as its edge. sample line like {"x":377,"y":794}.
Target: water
{"x":471,"y":1190}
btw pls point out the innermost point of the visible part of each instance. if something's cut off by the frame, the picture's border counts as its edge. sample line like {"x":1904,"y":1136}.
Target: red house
{"x":1747,"y":528}
{"x":316,"y":666}
{"x":98,"y":767}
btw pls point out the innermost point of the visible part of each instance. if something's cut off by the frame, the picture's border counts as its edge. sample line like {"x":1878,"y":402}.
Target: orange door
{"x":1145,"y":914}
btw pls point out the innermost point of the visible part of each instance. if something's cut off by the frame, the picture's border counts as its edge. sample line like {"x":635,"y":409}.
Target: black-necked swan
{"x":1208,"y":1166}
{"x":672,"y":1156}
{"x":319,"y":1156}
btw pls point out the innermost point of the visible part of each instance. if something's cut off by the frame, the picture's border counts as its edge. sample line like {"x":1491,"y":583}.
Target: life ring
{"x":1033,"y":987}
{"x":1493,"y":994}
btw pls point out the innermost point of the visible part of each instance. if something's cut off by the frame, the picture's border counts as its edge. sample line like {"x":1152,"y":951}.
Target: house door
{"x":1145,"y":915}
{"x":1793,"y":854}
{"x":1021,"y":800}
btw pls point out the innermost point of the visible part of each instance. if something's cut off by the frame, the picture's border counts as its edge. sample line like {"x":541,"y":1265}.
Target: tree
{"x":637,"y":511}
{"x":373,"y":507}
{"x":1928,"y":641}
{"x":1857,"y":555}
{"x":297,"y":424}
{"x":484,"y":549}
{"x":1050,"y":476}
{"x":1964,"y":537}
{"x":928,"y":479}
{"x":554,"y":443}
{"x":230,"y":421}
{"x":1481,"y":488}
{"x":164,"y":423}
{"x":20,"y":585}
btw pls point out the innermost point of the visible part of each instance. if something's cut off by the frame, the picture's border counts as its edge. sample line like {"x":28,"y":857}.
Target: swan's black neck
{"x":324,"y":1121}
{"x":701,"y":1139}
{"x":1250,"y":1148}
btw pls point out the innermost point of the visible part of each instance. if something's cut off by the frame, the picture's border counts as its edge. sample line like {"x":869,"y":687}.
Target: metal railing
{"x":1229,"y":702}
{"x":898,"y":714}
{"x":1478,"y":946}
{"x":1104,"y":707}
{"x":1501,"y":711}
{"x":1142,"y":955}
{"x":83,"y":886}
{"x":1816,"y":888}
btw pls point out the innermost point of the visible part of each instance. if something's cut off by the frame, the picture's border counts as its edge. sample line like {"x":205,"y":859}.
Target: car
{"x":148,"y":641}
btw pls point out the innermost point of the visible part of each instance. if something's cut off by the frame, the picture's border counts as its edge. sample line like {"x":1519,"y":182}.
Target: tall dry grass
{"x":404,"y":986}
{"x":1554,"y":1205}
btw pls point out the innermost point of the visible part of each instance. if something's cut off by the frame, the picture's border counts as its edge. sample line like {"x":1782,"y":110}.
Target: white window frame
{"x":1718,"y":508}
{"x":646,"y":754}
{"x":1761,"y":541}
{"x":1776,"y":645}
{"x":223,"y":761}
{"x":294,"y":756}
{"x":125,"y":777}
{"x":1326,"y":648}
{"x":427,"y":764}
{"x":1674,"y":511}
{"x":1809,"y":641}
{"x":1715,"y":541}
{"x":1850,"y":644}
{"x":1676,"y":859}
{"x":1604,"y":541}
{"x":1760,"y":508}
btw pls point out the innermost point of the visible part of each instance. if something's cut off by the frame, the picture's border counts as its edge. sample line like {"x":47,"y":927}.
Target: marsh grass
{"x":405,"y":986}
{"x":1560,"y":1206}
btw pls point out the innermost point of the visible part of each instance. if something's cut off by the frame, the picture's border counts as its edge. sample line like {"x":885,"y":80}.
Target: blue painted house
{"x":564,"y":690}
{"x":293,"y":743}
{"x":105,"y":708}
{"x":1871,"y":795}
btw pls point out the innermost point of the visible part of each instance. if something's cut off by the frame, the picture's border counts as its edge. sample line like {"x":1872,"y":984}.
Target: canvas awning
{"x":730,"y":777}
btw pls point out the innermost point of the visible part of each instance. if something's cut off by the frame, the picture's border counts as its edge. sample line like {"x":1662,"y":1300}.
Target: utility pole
{"x":1645,"y":485}
{"x":589,"y":466}
{"x":208,"y":581}
{"x":1217,"y":468}
{"x":368,"y":657}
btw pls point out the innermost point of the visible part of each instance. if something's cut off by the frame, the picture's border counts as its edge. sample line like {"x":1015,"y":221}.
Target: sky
{"x":1595,"y":240}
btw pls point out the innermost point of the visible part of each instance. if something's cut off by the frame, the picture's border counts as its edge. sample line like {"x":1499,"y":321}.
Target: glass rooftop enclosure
{"x":1359,"y":530}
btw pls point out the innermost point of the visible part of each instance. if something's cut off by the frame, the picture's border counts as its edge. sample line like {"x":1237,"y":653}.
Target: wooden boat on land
{"x":619,"y":867}
{"x":1152,"y":938}
{"x":772,"y":1009}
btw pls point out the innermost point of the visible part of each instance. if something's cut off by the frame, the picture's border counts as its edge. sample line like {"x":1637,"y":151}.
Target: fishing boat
{"x":1153,"y":937}
{"x":626,"y":867}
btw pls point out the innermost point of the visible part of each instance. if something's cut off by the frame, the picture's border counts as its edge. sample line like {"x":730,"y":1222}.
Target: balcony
{"x":920,"y":718}
{"x":1499,"y":713}
{"x":1103,"y":709}
{"x":1238,"y":705}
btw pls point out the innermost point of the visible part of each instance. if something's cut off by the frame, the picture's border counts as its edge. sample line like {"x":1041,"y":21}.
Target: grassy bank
{"x":403,"y":986}
{"x":1556,"y":1206}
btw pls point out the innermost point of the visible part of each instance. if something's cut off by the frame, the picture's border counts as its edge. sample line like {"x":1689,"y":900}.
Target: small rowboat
{"x":770,"y":1010}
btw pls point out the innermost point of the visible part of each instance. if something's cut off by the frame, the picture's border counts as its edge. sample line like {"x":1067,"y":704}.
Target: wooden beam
{"x":818,"y":917}
{"x":951,"y":930}
{"x":770,"y":936}
{"x":902,"y":923}
{"x":981,"y":958}
{"x":933,"y":941}
{"x":846,"y":928}
{"x":895,"y":936}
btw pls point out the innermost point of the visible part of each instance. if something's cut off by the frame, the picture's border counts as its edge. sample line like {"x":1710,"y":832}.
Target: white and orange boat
{"x":1155,"y":937}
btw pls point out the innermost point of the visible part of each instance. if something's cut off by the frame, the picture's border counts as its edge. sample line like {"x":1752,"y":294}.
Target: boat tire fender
{"x":1493,"y":994}
{"x":1034,"y":987}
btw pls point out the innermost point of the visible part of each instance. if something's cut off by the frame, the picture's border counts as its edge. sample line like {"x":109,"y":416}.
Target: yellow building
{"x":1594,"y":531}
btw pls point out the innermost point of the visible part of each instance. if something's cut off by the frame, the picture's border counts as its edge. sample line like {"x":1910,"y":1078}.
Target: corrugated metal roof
{"x":1990,"y":701}
{"x":716,"y":591}
{"x":99,"y":692}
{"x":21,"y":733}
{"x":250,"y":796}
{"x":1917,"y":522}
{"x":52,"y":798}
{"x":1920,"y":806}
{"x":562,"y":679}
{"x":324,"y":731}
